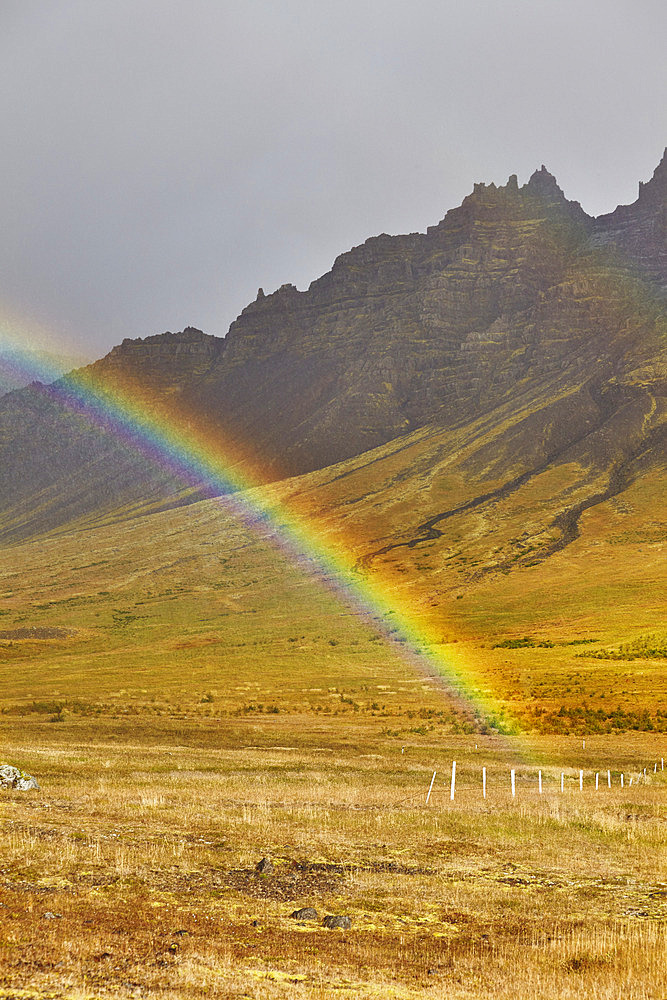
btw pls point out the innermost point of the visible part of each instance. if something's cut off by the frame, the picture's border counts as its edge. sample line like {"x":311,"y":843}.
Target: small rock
{"x":305,"y":913}
{"x":264,"y":867}
{"x":12,"y":777}
{"x":52,"y":916}
{"x":333,"y":920}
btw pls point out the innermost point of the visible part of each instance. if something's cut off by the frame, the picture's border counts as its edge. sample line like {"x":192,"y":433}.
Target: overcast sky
{"x":161,"y":159}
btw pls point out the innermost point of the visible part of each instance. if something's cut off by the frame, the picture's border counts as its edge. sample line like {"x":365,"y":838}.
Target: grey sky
{"x":162,"y":159}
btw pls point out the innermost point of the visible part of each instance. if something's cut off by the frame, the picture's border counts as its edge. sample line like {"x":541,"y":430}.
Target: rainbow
{"x":170,"y":440}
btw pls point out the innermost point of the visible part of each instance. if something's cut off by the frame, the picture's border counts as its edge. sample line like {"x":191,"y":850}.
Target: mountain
{"x":15,"y":365}
{"x":518,"y":324}
{"x":58,"y":464}
{"x":507,"y":291}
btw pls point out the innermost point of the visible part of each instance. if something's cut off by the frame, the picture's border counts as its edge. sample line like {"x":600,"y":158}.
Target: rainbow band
{"x":166,"y":439}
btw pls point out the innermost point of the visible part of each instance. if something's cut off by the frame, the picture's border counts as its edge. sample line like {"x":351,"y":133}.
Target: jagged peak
{"x":544,"y":184}
{"x":540,"y":192}
{"x":286,"y":289}
{"x":285,"y":293}
{"x":652,"y":194}
{"x":656,"y":188}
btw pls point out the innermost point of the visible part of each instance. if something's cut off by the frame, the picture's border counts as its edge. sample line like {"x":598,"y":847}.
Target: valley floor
{"x":191,"y":703}
{"x":132,"y":871}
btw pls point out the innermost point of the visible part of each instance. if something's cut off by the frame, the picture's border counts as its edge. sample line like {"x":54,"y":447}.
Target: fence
{"x":584,"y":779}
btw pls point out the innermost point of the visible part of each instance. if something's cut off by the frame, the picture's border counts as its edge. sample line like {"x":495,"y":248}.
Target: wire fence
{"x":543,"y":780}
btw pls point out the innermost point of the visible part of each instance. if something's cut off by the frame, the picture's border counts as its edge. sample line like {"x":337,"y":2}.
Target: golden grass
{"x":132,"y":842}
{"x":212,"y":705}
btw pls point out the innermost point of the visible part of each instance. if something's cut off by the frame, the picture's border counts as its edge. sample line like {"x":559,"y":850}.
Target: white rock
{"x":12,"y":777}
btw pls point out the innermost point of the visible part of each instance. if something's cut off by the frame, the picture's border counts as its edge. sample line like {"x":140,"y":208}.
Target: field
{"x":192,"y":702}
{"x":144,"y":846}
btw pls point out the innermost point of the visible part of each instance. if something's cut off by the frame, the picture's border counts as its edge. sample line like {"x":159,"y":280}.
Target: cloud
{"x":164,"y":159}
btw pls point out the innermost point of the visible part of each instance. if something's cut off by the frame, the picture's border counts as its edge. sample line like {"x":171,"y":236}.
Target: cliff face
{"x":639,"y":230}
{"x":514,"y":302}
{"x":512,"y":292}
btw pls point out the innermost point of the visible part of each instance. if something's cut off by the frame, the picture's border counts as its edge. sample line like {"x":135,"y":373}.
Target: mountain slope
{"x":62,"y":461}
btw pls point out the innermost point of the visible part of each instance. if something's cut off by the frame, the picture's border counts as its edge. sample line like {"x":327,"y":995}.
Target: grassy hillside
{"x":192,"y":701}
{"x":533,"y":586}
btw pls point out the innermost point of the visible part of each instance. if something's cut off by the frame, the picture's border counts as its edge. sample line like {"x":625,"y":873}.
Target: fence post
{"x":562,"y":781}
{"x":539,"y":781}
{"x":513,"y":779}
{"x":608,"y":779}
{"x":621,"y":779}
{"x":483,"y":782}
{"x":451,"y":794}
{"x":597,"y":780}
{"x":581,"y":781}
{"x":430,"y":788}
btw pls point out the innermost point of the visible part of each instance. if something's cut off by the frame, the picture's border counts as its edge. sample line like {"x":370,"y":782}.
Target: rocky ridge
{"x":162,"y":363}
{"x":510,"y":292}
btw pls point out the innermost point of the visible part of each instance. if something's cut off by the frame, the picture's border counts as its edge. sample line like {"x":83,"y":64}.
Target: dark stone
{"x":305,"y":913}
{"x":333,"y":920}
{"x":264,"y":867}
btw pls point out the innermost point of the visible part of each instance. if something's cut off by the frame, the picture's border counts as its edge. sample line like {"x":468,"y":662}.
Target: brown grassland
{"x":208,"y":704}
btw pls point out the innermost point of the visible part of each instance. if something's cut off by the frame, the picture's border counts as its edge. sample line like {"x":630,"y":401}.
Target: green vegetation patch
{"x":582,"y":719}
{"x":645,"y":647}
{"x":527,"y":643}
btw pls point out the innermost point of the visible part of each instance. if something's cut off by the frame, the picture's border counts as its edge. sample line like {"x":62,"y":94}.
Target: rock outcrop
{"x":162,"y":364}
{"x":305,"y":913}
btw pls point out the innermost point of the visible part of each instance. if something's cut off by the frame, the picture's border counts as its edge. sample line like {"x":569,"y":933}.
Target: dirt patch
{"x":380,"y":866}
{"x":37,"y":632}
{"x":304,"y":878}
